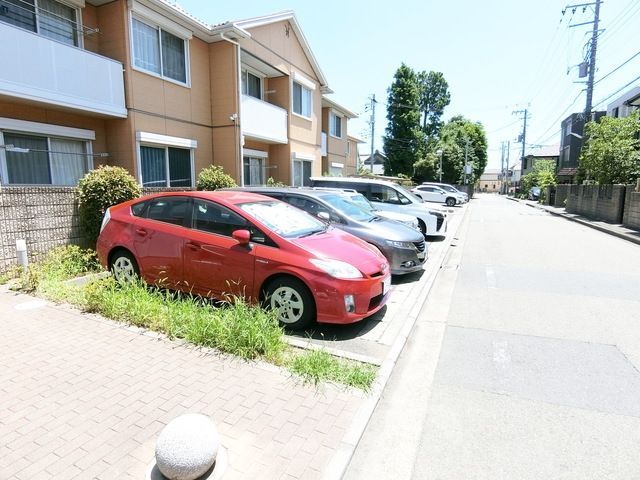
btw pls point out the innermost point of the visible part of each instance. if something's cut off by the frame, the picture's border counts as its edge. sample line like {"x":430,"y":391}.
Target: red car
{"x":221,"y":244}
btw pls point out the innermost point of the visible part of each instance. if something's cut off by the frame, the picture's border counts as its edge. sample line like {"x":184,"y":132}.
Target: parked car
{"x":404,"y":247}
{"x":392,"y":197}
{"x":361,"y":201}
{"x":534,"y":193}
{"x":462,"y":197}
{"x":431,"y":193}
{"x":220,"y":244}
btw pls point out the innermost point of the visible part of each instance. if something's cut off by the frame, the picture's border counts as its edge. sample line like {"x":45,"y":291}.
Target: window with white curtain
{"x":301,"y":173}
{"x":166,"y":167}
{"x":254,"y":170}
{"x":301,"y":100}
{"x":335,"y":125}
{"x":49,"y":18}
{"x":158,"y":51}
{"x":41,"y":160}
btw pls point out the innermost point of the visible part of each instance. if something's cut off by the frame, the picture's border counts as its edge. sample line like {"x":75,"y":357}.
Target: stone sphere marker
{"x":187,"y":447}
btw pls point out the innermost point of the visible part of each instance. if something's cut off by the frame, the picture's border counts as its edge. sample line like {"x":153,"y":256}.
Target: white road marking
{"x":500,"y":354}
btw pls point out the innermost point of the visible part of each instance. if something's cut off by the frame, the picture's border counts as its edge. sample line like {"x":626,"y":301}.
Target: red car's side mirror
{"x":243,"y":237}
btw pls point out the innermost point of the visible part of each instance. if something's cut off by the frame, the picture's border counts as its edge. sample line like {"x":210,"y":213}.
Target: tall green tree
{"x":404,"y":141}
{"x":612,"y":151}
{"x":460,"y":137}
{"x":434,"y":97}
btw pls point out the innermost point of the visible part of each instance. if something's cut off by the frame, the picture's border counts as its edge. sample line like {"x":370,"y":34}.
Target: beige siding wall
{"x":351,"y":164}
{"x":33,"y":113}
{"x":223,"y":68}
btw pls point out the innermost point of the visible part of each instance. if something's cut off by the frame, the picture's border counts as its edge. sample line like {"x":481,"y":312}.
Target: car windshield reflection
{"x":286,"y":221}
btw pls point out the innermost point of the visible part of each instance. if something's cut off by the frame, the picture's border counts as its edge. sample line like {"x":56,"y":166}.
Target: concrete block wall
{"x":45,"y":217}
{"x":599,"y":202}
{"x":631,"y":216}
{"x":562,"y":192}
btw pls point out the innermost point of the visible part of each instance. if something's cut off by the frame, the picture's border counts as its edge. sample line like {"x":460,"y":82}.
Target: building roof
{"x":355,"y":139}
{"x":327,"y":102}
{"x":546,"y":151}
{"x":288,"y":15}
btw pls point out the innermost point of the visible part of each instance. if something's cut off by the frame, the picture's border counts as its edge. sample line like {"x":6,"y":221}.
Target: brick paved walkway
{"x":82,"y":397}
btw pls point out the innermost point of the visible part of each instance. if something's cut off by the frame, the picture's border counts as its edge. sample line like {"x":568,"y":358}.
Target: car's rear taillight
{"x":105,"y":219}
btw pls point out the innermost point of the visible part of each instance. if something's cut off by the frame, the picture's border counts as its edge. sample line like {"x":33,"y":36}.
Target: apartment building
{"x":337,"y":156}
{"x":145,"y":85}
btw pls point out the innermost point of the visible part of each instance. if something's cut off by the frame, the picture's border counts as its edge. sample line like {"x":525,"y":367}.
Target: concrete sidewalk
{"x":83,"y":397}
{"x":616,"y":230}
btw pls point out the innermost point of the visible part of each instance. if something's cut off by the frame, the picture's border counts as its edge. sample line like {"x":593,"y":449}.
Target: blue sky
{"x":498,"y":56}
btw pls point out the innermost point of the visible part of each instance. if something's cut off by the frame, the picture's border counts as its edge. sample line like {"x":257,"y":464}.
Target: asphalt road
{"x":524,"y":363}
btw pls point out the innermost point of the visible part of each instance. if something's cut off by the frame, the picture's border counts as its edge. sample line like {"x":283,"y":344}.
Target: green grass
{"x":316,"y":366}
{"x":239,"y":328}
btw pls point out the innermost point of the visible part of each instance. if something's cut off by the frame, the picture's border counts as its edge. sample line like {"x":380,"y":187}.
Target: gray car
{"x":404,"y":247}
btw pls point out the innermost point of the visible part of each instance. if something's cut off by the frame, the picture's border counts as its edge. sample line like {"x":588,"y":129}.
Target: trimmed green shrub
{"x":275,"y":183}
{"x":98,"y":190}
{"x":213,"y":177}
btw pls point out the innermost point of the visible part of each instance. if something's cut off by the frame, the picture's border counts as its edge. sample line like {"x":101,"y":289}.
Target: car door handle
{"x":193,"y":246}
{"x":141,"y":231}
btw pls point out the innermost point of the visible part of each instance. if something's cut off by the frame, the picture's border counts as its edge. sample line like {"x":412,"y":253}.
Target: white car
{"x":389,"y":196}
{"x":463,"y":197}
{"x":362,"y":202}
{"x":431,"y":193}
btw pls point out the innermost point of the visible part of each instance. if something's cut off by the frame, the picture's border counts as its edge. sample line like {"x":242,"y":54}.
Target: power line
{"x":555,"y":122}
{"x":618,"y":67}
{"x":616,"y":92}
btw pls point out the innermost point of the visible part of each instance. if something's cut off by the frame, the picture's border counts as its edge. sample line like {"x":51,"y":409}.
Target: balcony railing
{"x":46,"y":71}
{"x":263,"y":121}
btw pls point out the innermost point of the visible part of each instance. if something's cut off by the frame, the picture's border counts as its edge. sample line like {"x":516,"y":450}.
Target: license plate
{"x":386,"y":285}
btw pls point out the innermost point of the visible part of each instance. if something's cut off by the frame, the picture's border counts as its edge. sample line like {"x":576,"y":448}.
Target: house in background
{"x":625,"y":104}
{"x":353,"y":155}
{"x":543,"y":153}
{"x":144,"y":85}
{"x":336,"y":157}
{"x":375,"y":165}
{"x":571,"y":138}
{"x":490,"y":181}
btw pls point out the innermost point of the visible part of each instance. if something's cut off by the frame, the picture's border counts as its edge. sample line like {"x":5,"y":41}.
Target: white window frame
{"x":49,"y":131}
{"x":333,"y":118}
{"x":77,"y":23}
{"x":148,"y":139}
{"x":244,"y":70}
{"x":300,"y":158}
{"x":264,"y":156}
{"x":151,"y":20}
{"x":305,"y":85}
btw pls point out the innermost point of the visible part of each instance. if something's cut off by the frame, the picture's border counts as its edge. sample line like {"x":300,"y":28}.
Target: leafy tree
{"x":457,"y":137}
{"x":404,"y":141}
{"x":426,"y":168}
{"x":611,"y":153}
{"x":543,"y":175}
{"x":434,"y":97}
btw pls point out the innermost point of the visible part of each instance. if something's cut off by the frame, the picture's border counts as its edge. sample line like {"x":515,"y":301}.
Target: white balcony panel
{"x":42,"y":70}
{"x":263,"y":121}
{"x":323,"y":145}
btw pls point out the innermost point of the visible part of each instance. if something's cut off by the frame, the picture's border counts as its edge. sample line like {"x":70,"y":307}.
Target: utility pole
{"x":523,"y":137}
{"x":502,"y":160}
{"x":373,"y":126}
{"x":506,"y":190}
{"x":591,"y":62}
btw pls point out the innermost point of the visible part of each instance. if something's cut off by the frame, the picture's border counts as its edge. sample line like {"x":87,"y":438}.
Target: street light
{"x":439,"y":153}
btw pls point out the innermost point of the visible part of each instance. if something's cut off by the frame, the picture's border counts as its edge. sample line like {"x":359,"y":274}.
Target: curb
{"x":340,"y":460}
{"x":586,"y":223}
